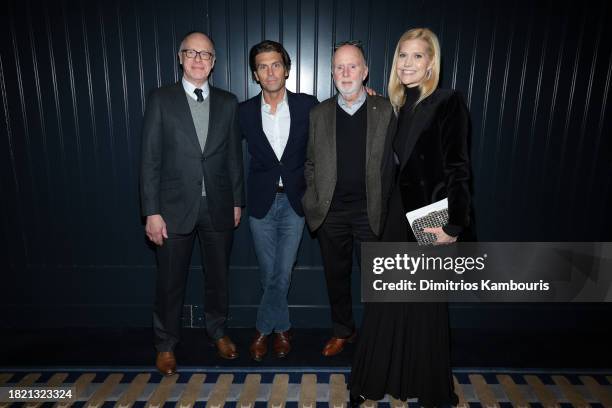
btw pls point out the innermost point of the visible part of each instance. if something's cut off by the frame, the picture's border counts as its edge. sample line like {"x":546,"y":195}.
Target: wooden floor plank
{"x":220,"y":391}
{"x":545,"y":397}
{"x":512,"y":391}
{"x":460,"y":394}
{"x":278,"y":393}
{"x":80,"y":385}
{"x":135,"y":389}
{"x":308,"y":391}
{"x":162,"y":392}
{"x":250,"y":389}
{"x":597,"y":390}
{"x":26,"y":381}
{"x":337,"y":391}
{"x":104,"y":391}
{"x":5,"y":377}
{"x":570,"y":392}
{"x":483,"y":391}
{"x":56,"y":380}
{"x":192,"y":391}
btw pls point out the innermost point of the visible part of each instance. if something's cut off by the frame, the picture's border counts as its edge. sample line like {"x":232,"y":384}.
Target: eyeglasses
{"x":355,"y":43}
{"x":205,"y":55}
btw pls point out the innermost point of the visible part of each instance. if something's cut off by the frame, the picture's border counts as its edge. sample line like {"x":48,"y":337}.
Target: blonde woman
{"x":403,"y":348}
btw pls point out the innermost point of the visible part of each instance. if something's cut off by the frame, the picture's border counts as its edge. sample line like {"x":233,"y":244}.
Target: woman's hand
{"x":441,"y":236}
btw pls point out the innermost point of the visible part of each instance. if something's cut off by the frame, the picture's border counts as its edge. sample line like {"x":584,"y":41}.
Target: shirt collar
{"x":189,"y":88}
{"x":266,"y":106}
{"x":356,"y":104}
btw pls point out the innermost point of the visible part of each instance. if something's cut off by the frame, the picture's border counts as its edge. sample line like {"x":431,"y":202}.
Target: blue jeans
{"x":277,"y":238}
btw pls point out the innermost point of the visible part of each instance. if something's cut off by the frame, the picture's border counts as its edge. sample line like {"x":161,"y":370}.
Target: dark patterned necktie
{"x":198,"y":92}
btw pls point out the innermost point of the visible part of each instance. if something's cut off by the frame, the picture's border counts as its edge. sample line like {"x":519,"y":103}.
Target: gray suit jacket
{"x":320,"y":168}
{"x":173,"y":165}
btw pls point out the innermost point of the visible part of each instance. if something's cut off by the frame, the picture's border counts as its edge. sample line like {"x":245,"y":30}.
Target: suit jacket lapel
{"x":292,"y":115}
{"x":419,"y":122}
{"x":184,"y":113}
{"x":329,"y":116}
{"x":372,"y":133}
{"x":214,"y":112}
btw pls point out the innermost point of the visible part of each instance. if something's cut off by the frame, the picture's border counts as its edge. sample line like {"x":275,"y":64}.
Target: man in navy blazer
{"x":275,"y":125}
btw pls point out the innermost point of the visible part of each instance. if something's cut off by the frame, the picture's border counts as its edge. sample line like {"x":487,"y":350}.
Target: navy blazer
{"x":264,"y":167}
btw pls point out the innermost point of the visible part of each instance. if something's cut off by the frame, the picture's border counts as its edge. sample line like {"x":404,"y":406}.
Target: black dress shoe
{"x":356,"y":400}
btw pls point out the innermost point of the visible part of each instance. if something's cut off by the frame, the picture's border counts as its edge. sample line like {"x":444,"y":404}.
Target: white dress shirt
{"x":189,"y":88}
{"x":276,"y":125}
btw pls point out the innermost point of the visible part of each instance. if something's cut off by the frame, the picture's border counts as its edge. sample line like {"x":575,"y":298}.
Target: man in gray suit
{"x":348,"y":171}
{"x":191,"y":184}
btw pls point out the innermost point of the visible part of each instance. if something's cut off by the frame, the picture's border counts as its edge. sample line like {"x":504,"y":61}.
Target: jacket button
{"x":422,"y":183}
{"x":422,"y":156}
{"x":200,"y":183}
{"x":280,"y":163}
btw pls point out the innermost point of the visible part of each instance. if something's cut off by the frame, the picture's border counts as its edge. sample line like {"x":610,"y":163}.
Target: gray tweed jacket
{"x":320,"y":168}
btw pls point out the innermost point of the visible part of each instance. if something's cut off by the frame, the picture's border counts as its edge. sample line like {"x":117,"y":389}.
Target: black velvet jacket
{"x":435,"y":161}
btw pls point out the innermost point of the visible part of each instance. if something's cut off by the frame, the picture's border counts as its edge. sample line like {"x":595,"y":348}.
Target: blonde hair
{"x":396,"y":88}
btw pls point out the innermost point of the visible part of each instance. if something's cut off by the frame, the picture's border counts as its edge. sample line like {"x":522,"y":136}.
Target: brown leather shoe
{"x":166,"y":363}
{"x":335,"y":345}
{"x":226,"y":348}
{"x":282,"y":344}
{"x":259,"y":346}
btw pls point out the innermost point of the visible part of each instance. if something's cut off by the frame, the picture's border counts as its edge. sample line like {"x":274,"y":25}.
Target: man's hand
{"x":441,"y":236}
{"x":237,"y":215}
{"x":156,"y":229}
{"x":370,"y":91}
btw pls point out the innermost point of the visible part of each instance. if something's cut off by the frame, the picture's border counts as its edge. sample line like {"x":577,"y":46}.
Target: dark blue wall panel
{"x":73,"y":81}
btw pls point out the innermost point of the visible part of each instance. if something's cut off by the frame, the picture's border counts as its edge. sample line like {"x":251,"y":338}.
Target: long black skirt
{"x":403,"y":348}
{"x":403,"y":351}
